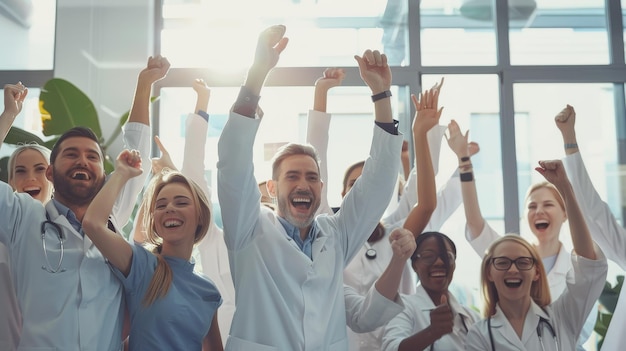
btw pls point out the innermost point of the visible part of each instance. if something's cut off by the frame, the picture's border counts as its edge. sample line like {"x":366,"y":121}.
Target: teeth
{"x":172,"y":223}
{"x":32,"y":188}
{"x":513,"y":281}
{"x":80,"y":175}
{"x":438,"y":274}
{"x":301,"y":199}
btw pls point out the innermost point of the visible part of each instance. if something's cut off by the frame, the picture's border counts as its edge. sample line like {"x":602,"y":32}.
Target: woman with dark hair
{"x":432,"y":318}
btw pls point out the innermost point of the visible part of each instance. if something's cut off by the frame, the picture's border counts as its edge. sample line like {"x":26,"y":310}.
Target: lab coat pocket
{"x":236,"y":344}
{"x":339,"y":345}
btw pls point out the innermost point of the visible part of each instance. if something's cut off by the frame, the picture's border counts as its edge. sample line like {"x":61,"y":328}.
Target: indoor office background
{"x":509,"y":67}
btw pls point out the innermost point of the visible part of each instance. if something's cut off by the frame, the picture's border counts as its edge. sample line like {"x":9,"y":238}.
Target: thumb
{"x":444,"y":300}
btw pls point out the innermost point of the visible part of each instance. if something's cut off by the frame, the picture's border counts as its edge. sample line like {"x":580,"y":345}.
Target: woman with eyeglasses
{"x":519,"y":314}
{"x":545,"y":214}
{"x":432,"y":319}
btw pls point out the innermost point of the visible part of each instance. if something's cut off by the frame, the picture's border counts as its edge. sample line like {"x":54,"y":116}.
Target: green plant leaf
{"x":17,"y":135}
{"x":64,"y":106}
{"x":4,"y":173}
{"x":120,"y":124}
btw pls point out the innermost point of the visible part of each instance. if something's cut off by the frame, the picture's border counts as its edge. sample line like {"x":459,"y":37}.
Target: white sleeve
{"x":367,"y":313}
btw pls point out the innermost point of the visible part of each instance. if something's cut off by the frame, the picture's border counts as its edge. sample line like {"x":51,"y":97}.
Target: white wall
{"x":100,"y":47}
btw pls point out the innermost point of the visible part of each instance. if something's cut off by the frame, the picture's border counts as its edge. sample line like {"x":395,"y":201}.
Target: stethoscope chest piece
{"x":370,"y":254}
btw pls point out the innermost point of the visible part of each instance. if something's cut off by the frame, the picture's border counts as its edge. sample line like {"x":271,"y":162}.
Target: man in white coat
{"x":287,"y":265}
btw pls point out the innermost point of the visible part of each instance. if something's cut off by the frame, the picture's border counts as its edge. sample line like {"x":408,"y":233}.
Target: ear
{"x":49,"y":172}
{"x":271,"y":187}
{"x":536,"y":276}
{"x":489,"y":278}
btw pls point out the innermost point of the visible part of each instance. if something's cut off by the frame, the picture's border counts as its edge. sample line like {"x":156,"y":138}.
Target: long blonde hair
{"x":162,"y":277}
{"x":539,"y":289}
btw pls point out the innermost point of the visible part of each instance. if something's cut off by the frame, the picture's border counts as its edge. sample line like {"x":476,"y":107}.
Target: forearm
{"x":473,"y":215}
{"x":6,"y":121}
{"x":249,"y":95}
{"x":202,"y":103}
{"x":581,"y":238}
{"x":389,"y":281}
{"x":426,"y":188}
{"x":320,"y":99}
{"x":140,"y":110}
{"x":570,"y":144}
{"x":382,"y":111}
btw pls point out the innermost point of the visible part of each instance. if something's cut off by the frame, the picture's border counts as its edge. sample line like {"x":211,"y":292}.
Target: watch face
{"x":371,"y":254}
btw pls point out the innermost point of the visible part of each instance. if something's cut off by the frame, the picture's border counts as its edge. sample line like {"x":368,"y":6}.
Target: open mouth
{"x":541,"y":225}
{"x":303,"y":203}
{"x":32,"y":191}
{"x":80,"y":175}
{"x":438,"y":274}
{"x":513,"y":283}
{"x":172,"y":223}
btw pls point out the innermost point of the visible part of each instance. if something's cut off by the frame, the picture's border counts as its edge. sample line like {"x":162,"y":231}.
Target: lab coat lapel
{"x":56,"y":217}
{"x":502,"y":330}
{"x":318,"y":245}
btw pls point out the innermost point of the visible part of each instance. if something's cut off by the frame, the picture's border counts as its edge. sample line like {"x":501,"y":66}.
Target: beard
{"x":79,"y":195}
{"x":298,"y":220}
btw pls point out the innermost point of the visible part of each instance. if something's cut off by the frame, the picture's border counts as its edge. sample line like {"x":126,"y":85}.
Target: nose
{"x":513,"y":268}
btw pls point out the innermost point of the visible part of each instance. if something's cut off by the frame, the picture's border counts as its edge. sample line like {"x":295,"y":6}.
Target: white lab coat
{"x":79,"y":308}
{"x":607,"y":233}
{"x":566,"y":314}
{"x":362,"y":272}
{"x":11,"y":320}
{"x":286,"y":301}
{"x":367,"y":313}
{"x":212,"y":248}
{"x":416,"y":317}
{"x":558,"y":277}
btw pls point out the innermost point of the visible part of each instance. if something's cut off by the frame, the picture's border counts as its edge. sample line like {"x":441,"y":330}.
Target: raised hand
{"x":441,"y":319}
{"x":374,"y":70}
{"x":332,"y":77}
{"x":14,"y":95}
{"x":165,"y":161}
{"x":402,"y":243}
{"x":203,"y":93}
{"x":128,"y":163}
{"x":427,"y":113}
{"x":565,"y":120}
{"x":156,"y":69}
{"x":457,"y":142}
{"x":554,"y":172}
{"x":271,"y":43}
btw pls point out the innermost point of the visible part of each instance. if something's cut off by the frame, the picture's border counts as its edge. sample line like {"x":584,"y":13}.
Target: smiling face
{"x":434,"y":274}
{"x":28,"y":175}
{"x":351,"y":178}
{"x":545,"y":214}
{"x":175,"y":214}
{"x":512,"y":284}
{"x":77,"y":172}
{"x":298,"y":188}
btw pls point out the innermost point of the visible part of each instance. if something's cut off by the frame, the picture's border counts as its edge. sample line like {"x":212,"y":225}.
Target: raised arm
{"x":156,"y":69}
{"x":376,"y":73}
{"x":460,"y":146}
{"x":318,"y":124}
{"x":403,"y":245}
{"x":112,"y":245}
{"x":427,"y":116}
{"x":554,"y":172}
{"x":14,"y":95}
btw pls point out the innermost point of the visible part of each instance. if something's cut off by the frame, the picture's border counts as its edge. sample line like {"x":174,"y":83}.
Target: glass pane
{"x":322,"y":33}
{"x":352,"y":124}
{"x":478,"y":111}
{"x":538,"y":138}
{"x":27,"y":28}
{"x":455,"y":33}
{"x":559,"y":32}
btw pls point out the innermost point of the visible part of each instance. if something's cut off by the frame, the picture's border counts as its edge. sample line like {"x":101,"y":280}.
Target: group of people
{"x":288,"y":272}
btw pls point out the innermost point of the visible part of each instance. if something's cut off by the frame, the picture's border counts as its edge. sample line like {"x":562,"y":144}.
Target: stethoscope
{"x":543,"y":323}
{"x":59,"y":233}
{"x":370,"y":253}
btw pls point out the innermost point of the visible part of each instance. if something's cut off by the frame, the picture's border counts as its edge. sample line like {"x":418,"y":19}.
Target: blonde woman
{"x":519,"y":314}
{"x":171,"y":307}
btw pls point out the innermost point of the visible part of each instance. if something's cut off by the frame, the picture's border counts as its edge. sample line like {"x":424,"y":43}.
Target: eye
{"x":159,"y":206}
{"x":93,"y":157}
{"x":182,"y":203}
{"x":313,"y":178}
{"x":40,"y":169}
{"x":19,"y":171}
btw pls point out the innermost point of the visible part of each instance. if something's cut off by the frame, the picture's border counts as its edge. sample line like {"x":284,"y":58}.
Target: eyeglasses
{"x":504,"y":263}
{"x":428,"y":257}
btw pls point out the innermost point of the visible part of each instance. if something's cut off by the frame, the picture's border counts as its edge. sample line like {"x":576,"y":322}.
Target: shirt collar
{"x":294,"y":232}
{"x":69,"y":214}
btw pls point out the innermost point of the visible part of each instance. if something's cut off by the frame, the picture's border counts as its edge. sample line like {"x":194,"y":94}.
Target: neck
{"x":548,"y":247}
{"x":177,"y":250}
{"x":304,"y":232}
{"x":78,"y":209}
{"x":515,"y":309}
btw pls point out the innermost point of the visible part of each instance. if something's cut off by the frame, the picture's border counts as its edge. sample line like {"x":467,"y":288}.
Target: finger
{"x":415,"y":101}
{"x":383,"y":57}
{"x":444,"y":300}
{"x":162,"y":148}
{"x":378,"y":61}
